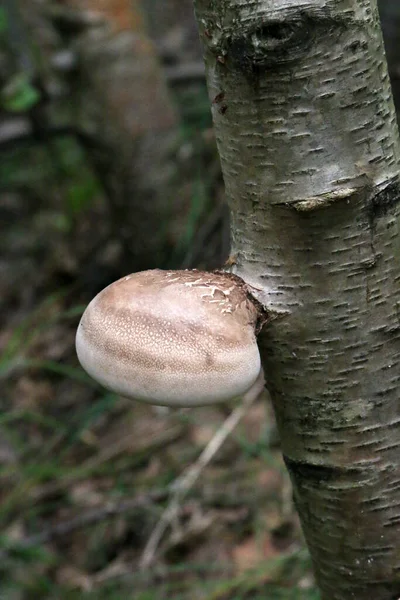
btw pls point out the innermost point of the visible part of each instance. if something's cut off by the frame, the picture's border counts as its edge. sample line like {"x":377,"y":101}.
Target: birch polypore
{"x":309,"y":149}
{"x":178,"y":338}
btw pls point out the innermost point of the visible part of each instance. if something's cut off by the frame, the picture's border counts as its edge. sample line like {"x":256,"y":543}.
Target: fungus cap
{"x":177,"y":338}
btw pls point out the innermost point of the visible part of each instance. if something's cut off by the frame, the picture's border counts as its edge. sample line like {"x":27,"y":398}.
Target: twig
{"x":188,"y":478}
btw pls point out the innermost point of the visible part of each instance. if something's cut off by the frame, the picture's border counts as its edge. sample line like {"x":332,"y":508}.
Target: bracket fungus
{"x":174,"y":338}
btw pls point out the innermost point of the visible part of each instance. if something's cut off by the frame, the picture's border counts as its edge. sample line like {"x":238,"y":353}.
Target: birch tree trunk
{"x":309,"y":147}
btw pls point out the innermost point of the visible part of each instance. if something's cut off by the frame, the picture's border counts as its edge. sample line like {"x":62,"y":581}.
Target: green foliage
{"x":57,"y":168}
{"x":72,"y":169}
{"x":19,"y":95}
{"x":80,"y":194}
{"x":14,"y":355}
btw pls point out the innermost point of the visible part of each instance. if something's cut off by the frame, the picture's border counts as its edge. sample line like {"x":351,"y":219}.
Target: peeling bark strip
{"x":309,"y":125}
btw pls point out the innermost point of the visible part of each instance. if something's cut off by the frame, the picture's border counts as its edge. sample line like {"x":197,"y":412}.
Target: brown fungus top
{"x":180,"y":338}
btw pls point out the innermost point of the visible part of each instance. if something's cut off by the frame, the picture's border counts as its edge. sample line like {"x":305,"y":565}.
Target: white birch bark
{"x":309,"y":147}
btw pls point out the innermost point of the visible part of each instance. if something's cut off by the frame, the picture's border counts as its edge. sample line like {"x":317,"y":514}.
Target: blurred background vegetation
{"x":109,"y":166}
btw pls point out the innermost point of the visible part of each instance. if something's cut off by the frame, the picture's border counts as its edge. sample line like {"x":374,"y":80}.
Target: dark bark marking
{"x":385,"y":200}
{"x":302,"y":471}
{"x":275,"y":42}
{"x":218,"y":98}
{"x":272,"y":44}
